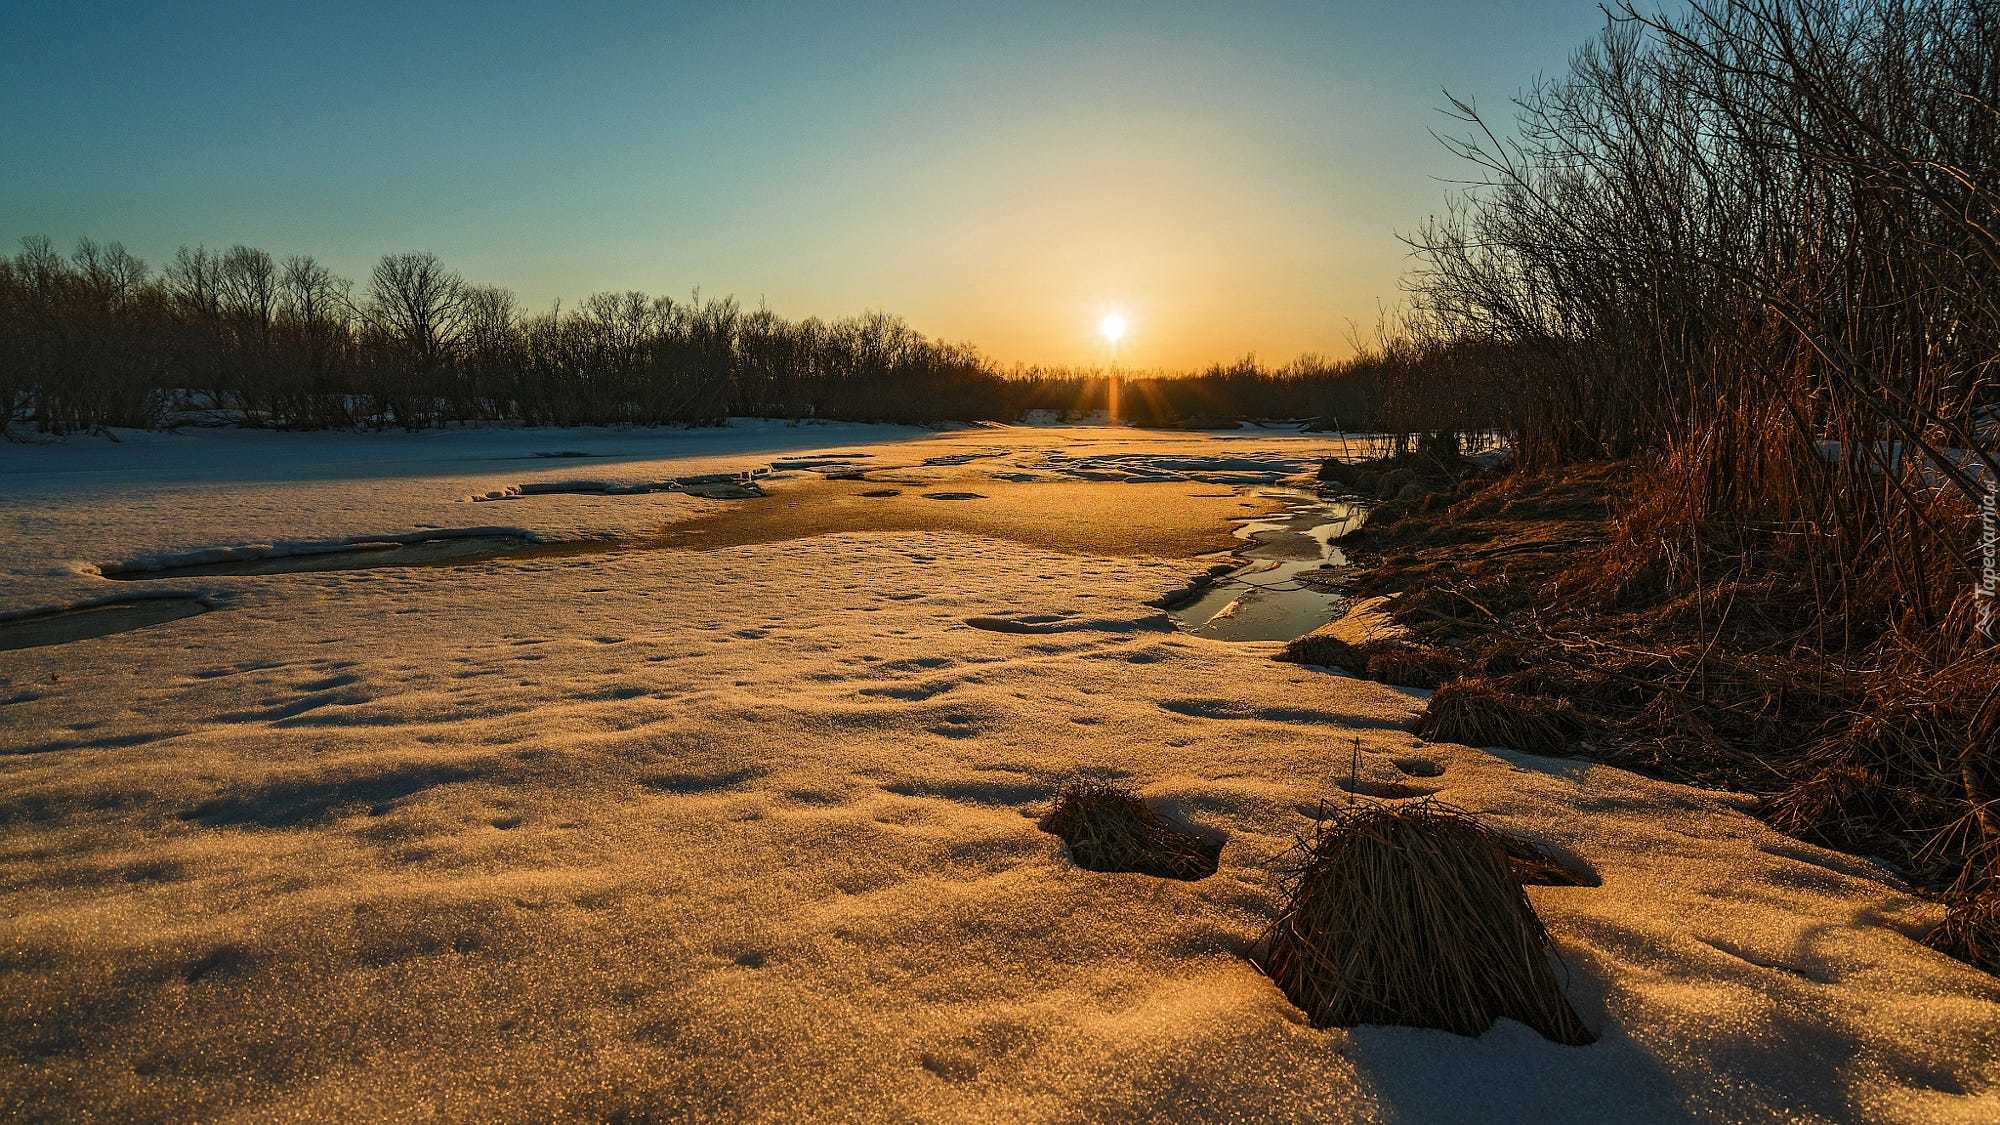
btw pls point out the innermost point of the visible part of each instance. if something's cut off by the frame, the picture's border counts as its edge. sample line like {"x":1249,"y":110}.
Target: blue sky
{"x":1230,"y":176}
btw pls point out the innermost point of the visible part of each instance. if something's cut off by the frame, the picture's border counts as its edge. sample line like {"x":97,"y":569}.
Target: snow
{"x":1250,"y":470}
{"x":1932,"y":465}
{"x":748,"y":831}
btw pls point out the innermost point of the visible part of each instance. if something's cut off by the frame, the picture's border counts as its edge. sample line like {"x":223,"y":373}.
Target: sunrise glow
{"x":1112,"y":328}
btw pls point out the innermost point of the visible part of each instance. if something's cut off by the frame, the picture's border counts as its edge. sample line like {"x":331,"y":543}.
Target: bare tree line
{"x":96,"y":339}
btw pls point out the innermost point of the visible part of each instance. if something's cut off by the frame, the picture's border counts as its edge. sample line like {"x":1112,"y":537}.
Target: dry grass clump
{"x":1504,"y":658}
{"x":1443,"y":609}
{"x":1410,"y":665}
{"x":1847,"y":805}
{"x":1476,"y":711}
{"x":1326,"y":651}
{"x":1108,"y":827}
{"x":1411,"y":914}
{"x":1392,"y":477}
{"x":1384,"y":661}
{"x":1971,"y":927}
{"x":1905,"y":771}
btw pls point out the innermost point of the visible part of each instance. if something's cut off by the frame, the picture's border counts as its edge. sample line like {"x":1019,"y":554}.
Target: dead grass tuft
{"x":1475,"y":711}
{"x":1971,"y":927}
{"x":1846,"y":805}
{"x":1412,"y":915}
{"x":1108,"y":827}
{"x":1384,"y":661}
{"x":1504,"y":658}
{"x":1325,"y":651}
{"x":1411,"y":665}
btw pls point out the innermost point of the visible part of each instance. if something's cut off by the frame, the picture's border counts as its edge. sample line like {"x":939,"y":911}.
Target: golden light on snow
{"x":1112,"y":327}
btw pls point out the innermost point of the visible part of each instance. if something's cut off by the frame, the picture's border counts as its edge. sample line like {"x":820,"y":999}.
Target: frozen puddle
{"x":1284,"y":587}
{"x":435,"y":551}
{"x":61,"y":626}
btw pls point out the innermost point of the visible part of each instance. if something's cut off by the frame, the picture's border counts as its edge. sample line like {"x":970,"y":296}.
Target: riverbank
{"x":1524,"y":603}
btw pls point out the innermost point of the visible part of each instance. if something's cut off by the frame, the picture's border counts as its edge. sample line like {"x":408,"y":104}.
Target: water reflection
{"x":1287,"y":584}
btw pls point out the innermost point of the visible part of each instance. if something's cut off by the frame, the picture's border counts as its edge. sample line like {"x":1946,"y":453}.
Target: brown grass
{"x":1479,"y":712}
{"x":1589,"y":622}
{"x":1384,"y":661}
{"x":1411,"y":914}
{"x":1108,"y":827}
{"x":1410,"y":665}
{"x":1325,"y":651}
{"x":1971,"y":927}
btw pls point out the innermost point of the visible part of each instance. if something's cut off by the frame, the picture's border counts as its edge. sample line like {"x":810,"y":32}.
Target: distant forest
{"x":97,"y":338}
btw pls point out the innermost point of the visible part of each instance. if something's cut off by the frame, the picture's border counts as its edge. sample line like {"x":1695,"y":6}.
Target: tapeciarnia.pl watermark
{"x":1989,"y":547}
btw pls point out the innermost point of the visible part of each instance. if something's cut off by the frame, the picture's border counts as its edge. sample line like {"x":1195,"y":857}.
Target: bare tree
{"x":489,"y":317}
{"x":418,"y":304}
{"x":491,"y":360}
{"x":310,"y":294}
{"x":108,"y":272}
{"x":247,"y":288}
{"x":313,"y":325}
{"x":194,"y":280}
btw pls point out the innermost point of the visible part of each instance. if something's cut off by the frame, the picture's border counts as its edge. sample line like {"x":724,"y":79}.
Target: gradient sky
{"x":1230,"y":176}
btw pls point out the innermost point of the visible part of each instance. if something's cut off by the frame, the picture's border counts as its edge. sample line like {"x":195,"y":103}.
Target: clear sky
{"x":1229,"y":176}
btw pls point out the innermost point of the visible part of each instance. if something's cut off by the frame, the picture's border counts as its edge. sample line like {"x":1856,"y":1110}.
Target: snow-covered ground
{"x":749,"y":831}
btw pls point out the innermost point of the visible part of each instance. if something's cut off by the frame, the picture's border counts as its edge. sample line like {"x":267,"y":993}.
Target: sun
{"x":1112,"y":327}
